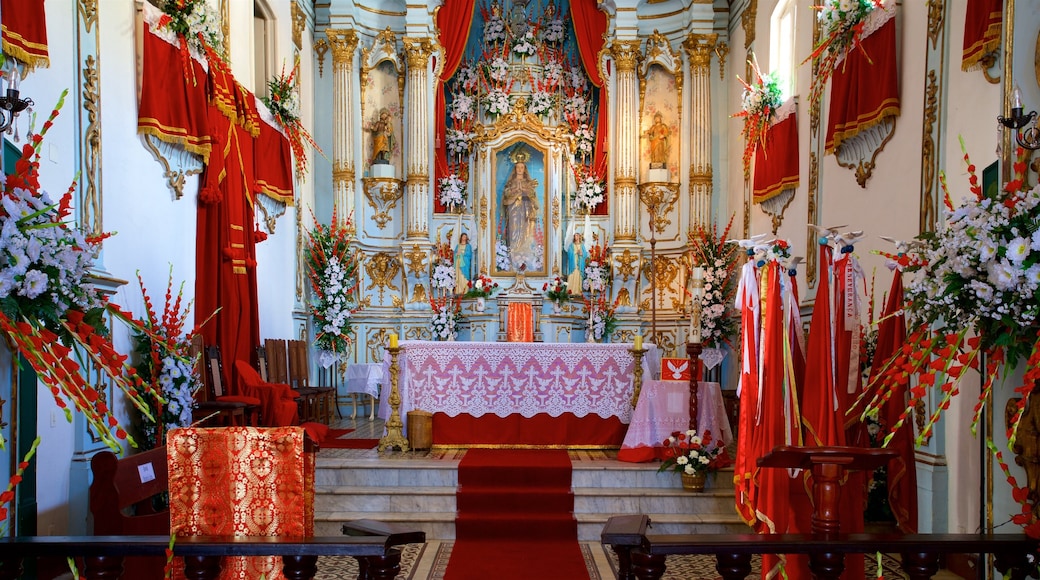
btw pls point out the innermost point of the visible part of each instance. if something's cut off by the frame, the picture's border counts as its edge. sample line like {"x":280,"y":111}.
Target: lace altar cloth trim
{"x":516,"y":379}
{"x":664,"y":407}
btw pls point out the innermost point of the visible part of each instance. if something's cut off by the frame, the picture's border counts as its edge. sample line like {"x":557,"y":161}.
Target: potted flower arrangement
{"x":480,"y":288}
{"x":693,"y":457}
{"x":556,"y":291}
{"x":447,"y":315}
{"x":332,"y":267}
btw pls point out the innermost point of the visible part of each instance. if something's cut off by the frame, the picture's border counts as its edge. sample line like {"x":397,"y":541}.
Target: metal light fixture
{"x":1028,"y":138}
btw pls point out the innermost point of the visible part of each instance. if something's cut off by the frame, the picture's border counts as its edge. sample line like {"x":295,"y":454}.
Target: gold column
{"x":699,"y":48}
{"x":626,"y":140}
{"x":417,"y":184}
{"x":343,"y":42}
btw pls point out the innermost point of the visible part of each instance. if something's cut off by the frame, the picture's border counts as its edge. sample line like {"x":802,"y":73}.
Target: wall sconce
{"x":1030,"y":137}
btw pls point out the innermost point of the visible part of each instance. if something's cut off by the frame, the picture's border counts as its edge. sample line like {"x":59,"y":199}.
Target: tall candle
{"x":639,"y":342}
{"x":393,"y":340}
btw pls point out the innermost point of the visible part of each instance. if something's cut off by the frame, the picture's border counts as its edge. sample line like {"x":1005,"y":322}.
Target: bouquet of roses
{"x":481,"y":287}
{"x":690,"y":453}
{"x":709,"y":250}
{"x":556,"y":290}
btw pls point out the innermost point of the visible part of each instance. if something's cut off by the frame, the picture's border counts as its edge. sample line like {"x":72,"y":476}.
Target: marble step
{"x":382,"y":473}
{"x":614,"y":475}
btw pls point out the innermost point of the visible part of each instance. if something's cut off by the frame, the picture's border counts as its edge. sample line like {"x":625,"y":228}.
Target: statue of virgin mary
{"x":520,"y":201}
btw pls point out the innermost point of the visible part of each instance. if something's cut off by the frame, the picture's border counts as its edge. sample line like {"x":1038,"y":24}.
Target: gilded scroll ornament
{"x":722,"y":51}
{"x":321,"y":47}
{"x":483,"y":211}
{"x":377,"y":340}
{"x":417,"y":52}
{"x":177,"y":163}
{"x":814,"y":219}
{"x":659,"y":199}
{"x":747,"y":22}
{"x":699,"y":48}
{"x":929,"y":162}
{"x":626,"y":55}
{"x":936,"y":20}
{"x":88,"y":13}
{"x":418,"y":295}
{"x":343,"y":42}
{"x":90,"y":212}
{"x":382,"y":193}
{"x":555,"y":214}
{"x":382,"y":269}
{"x":299,"y":23}
{"x":626,"y":264}
{"x":416,"y":259}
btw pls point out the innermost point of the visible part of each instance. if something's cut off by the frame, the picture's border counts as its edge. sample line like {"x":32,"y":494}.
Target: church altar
{"x":499,"y":393}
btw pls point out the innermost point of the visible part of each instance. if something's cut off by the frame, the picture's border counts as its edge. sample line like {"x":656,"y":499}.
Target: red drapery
{"x":590,"y":24}
{"x":981,"y":31}
{"x":864,"y":86}
{"x":25,"y":31}
{"x":776,"y":164}
{"x":453,"y":23}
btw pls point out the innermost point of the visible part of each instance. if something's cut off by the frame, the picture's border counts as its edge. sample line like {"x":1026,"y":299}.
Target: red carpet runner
{"x":515,"y":517}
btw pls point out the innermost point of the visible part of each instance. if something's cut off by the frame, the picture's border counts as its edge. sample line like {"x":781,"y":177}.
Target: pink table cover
{"x":663,"y":408}
{"x":479,"y":378}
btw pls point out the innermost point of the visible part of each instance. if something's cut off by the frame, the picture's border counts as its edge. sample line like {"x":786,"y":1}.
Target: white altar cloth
{"x":664,"y":408}
{"x":526,"y":379}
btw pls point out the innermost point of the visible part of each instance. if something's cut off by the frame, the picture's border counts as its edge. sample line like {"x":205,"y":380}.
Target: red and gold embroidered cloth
{"x":241,"y":481}
{"x":25,"y":31}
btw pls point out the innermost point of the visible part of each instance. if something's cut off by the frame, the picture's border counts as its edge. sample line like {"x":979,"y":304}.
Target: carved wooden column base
{"x":624,"y":560}
{"x":202,"y":567}
{"x":299,"y":567}
{"x":380,"y":567}
{"x":920,"y":565}
{"x":733,"y":566}
{"x":103,"y":568}
{"x":10,"y":568}
{"x":646,"y":566}
{"x":826,"y":565}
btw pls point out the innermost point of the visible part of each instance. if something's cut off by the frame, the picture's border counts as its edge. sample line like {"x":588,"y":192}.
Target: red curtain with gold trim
{"x":981,"y":31}
{"x":272,"y":165}
{"x":590,"y":24}
{"x":25,"y":31}
{"x":453,"y":23}
{"x":241,"y":481}
{"x":173,"y":109}
{"x":864,"y":87}
{"x":776,"y":164}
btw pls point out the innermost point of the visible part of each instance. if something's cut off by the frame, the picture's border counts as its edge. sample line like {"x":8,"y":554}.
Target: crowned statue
{"x":520,"y":201}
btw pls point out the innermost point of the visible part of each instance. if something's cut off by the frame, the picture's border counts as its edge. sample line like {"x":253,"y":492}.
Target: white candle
{"x":1016,"y":98}
{"x":698,"y":274}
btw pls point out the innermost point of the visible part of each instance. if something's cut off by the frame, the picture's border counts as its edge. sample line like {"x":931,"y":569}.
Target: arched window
{"x":781,"y":47}
{"x":263,"y":46}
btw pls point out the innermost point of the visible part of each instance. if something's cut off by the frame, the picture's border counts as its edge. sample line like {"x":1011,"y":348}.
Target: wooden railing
{"x":102,"y":556}
{"x":641,"y":555}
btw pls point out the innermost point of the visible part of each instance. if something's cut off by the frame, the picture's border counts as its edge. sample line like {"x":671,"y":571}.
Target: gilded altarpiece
{"x":380,"y":213}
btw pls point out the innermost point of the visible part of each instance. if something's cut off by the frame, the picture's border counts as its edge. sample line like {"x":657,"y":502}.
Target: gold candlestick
{"x":637,"y":373}
{"x":394,"y":436}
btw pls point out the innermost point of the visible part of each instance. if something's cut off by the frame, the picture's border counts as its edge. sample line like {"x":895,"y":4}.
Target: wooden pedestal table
{"x":828,"y":466}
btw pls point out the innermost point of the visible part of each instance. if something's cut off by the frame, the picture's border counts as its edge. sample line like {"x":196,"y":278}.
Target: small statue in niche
{"x":658,"y":135}
{"x":382,"y":139}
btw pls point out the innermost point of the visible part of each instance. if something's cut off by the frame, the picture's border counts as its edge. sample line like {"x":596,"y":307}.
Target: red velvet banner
{"x":776,"y":164}
{"x":25,"y":31}
{"x":173,"y":108}
{"x":272,"y":162}
{"x":590,"y":24}
{"x":452,"y":38}
{"x":981,"y":31}
{"x":864,"y":87}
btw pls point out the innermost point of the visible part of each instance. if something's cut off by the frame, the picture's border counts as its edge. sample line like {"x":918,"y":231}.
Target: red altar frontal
{"x":544,"y":394}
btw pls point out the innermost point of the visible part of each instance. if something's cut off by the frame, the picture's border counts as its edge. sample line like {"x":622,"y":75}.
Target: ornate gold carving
{"x":417,"y":333}
{"x":1027,"y":442}
{"x":416,"y":258}
{"x":936,"y":11}
{"x":699,"y":48}
{"x":174,"y":176}
{"x":343,"y":42}
{"x":659,"y":199}
{"x":417,"y":51}
{"x":518,"y":119}
{"x":747,"y":22}
{"x":418,"y":294}
{"x":626,"y":264}
{"x":382,"y":270}
{"x":88,"y":13}
{"x":91,"y":212}
{"x":721,"y":51}
{"x":858,"y":161}
{"x":814,"y":67}
{"x":483,"y":211}
{"x":626,"y":55}
{"x":382,"y":194}
{"x":321,"y":46}
{"x":657,"y":45}
{"x":929,"y":162}
{"x":920,"y":413}
{"x":377,"y":340}
{"x":396,"y":301}
{"x":664,"y":341}
{"x":301,"y":268}
{"x":270,"y":220}
{"x":811,"y":255}
{"x":387,"y":37}
{"x":299,"y":23}
{"x":624,"y":298}
{"x":225,"y":26}
{"x":664,"y":270}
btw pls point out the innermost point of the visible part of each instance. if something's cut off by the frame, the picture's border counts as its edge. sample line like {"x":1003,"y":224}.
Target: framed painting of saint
{"x":520,"y":209}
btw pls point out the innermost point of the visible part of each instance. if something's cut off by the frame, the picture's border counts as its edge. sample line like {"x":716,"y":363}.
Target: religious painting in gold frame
{"x":520,"y":209}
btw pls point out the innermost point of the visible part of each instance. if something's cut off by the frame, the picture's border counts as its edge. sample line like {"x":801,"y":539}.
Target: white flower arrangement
{"x":553,"y":31}
{"x":467,"y":78}
{"x":524,"y":45}
{"x":502,"y":261}
{"x":837,"y":16}
{"x":597,"y":324}
{"x":687,"y":452}
{"x":189,"y":19}
{"x":498,"y":69}
{"x":541,"y":103}
{"x":458,"y":142}
{"x":553,"y":72}
{"x":585,"y":141}
{"x":496,"y":101}
{"x":332,"y":266}
{"x":178,"y":383}
{"x":444,"y":276}
{"x":596,"y":276}
{"x":576,"y":108}
{"x":577,"y":79}
{"x":494,"y":30}
{"x":589,"y":193}
{"x":452,"y":191}
{"x":444,"y":322}
{"x":462,"y":106}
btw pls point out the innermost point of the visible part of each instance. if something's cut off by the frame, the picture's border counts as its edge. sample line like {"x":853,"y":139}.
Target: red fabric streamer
{"x":981,"y":31}
{"x":590,"y":24}
{"x":864,"y":87}
{"x":776,"y":164}
{"x":25,"y":32}
{"x":452,"y":38}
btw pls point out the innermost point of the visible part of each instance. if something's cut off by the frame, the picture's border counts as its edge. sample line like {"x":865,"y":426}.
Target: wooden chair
{"x":210,"y":407}
{"x":277,"y":362}
{"x":323,"y":398}
{"x":125,"y":499}
{"x":249,"y":406}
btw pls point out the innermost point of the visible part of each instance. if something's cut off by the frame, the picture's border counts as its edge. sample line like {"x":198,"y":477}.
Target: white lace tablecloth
{"x":479,"y":378}
{"x":664,"y":407}
{"x":364,"y":378}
